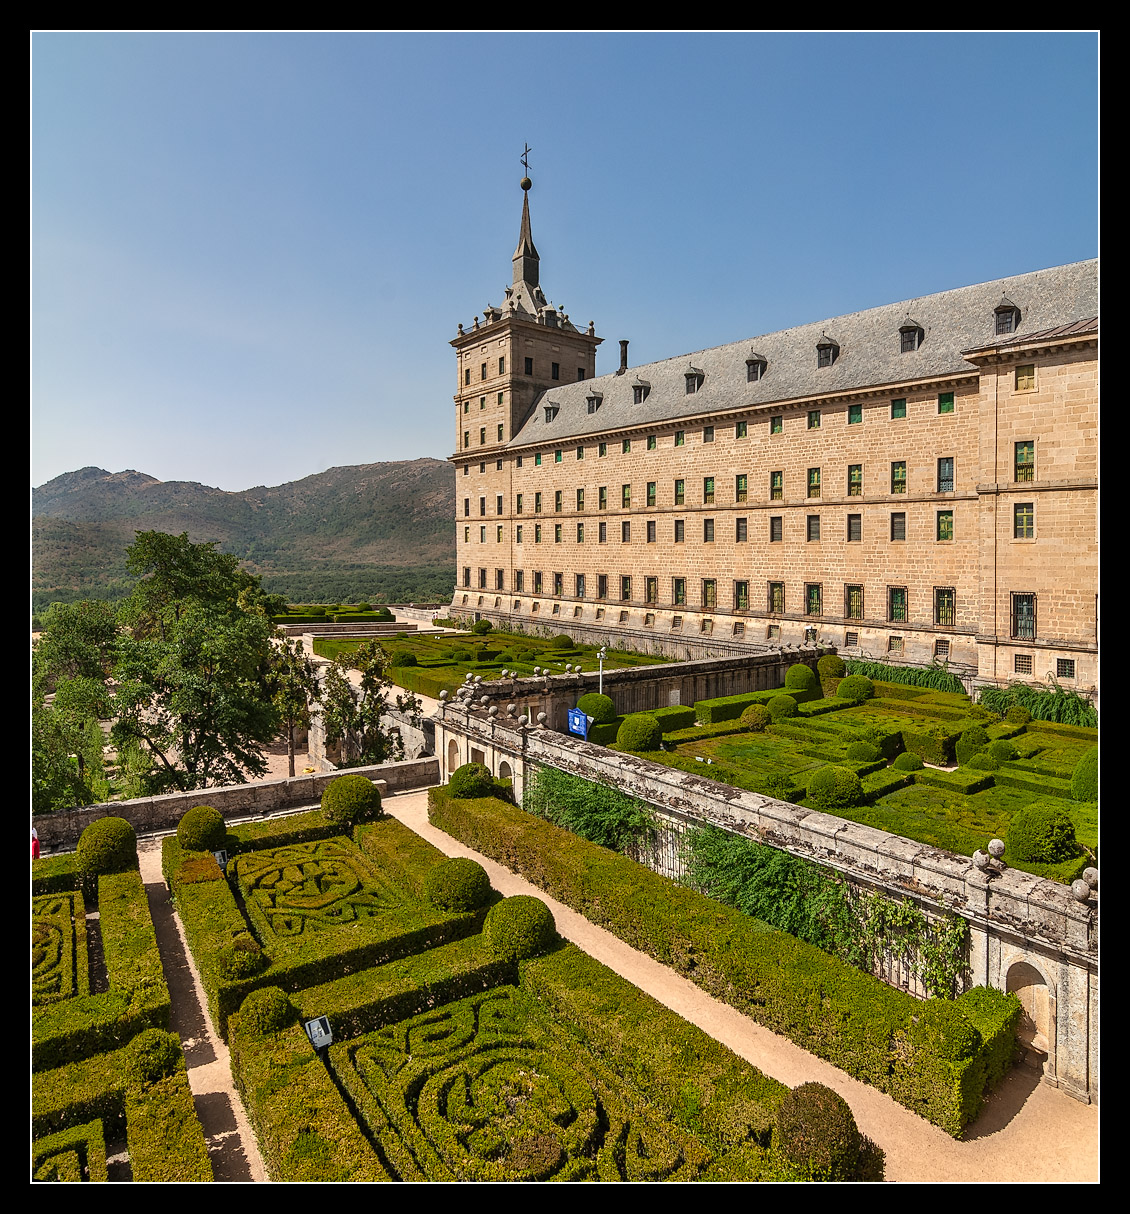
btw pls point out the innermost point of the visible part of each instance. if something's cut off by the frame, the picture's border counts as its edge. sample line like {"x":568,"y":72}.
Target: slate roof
{"x":952,"y":321}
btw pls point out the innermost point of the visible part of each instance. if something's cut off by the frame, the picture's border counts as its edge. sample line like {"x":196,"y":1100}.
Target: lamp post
{"x":600,"y":677}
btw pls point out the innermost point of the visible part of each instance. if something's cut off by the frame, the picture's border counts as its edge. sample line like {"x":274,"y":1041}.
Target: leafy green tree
{"x":354,"y":716}
{"x":294,"y":678}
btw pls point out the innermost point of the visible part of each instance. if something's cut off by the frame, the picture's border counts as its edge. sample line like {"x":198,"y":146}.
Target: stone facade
{"x":914,"y":482}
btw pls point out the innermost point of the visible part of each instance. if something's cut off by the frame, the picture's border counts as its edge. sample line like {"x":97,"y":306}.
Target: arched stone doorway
{"x":504,"y":772}
{"x":452,"y":756}
{"x":1037,"y":1020}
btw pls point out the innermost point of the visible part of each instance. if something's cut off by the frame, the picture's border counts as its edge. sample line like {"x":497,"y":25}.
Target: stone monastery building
{"x":911,"y":482}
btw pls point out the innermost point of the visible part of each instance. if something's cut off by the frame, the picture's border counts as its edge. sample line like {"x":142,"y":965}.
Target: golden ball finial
{"x":525,"y":183}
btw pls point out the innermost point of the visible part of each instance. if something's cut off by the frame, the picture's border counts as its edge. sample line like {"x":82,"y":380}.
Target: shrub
{"x":1002,"y":750}
{"x":351,"y":799}
{"x":982,"y":760}
{"x":831,"y":666}
{"x":364,"y":606}
{"x":243,"y":958}
{"x":856,"y":688}
{"x":519,"y":927}
{"x":106,"y":846}
{"x":460,"y":655}
{"x":639,"y":732}
{"x":941,"y":1027}
{"x":1043,"y":833}
{"x":266,"y":1011}
{"x":782,"y":706}
{"x":834,"y":788}
{"x":403,"y":657}
{"x":862,"y":752}
{"x":561,"y":641}
{"x":1018,"y":715}
{"x":153,"y":1055}
{"x":471,"y":780}
{"x":908,"y":762}
{"x":202,"y":828}
{"x":481,"y":627}
{"x":816,"y":1132}
{"x":460,"y":884}
{"x":756,"y":718}
{"x":971,"y":741}
{"x":799,"y":677}
{"x":599,"y":707}
{"x":1085,"y":777}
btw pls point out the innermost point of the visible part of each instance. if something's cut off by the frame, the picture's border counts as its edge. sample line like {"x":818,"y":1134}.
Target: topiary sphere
{"x":458,"y":885}
{"x":856,"y":688}
{"x":243,"y":958}
{"x":106,"y":846}
{"x":639,"y":732}
{"x":266,"y":1011}
{"x":202,"y":828}
{"x":908,"y":762}
{"x":1085,"y":777}
{"x":862,"y":752}
{"x":481,"y":627}
{"x":756,"y":718}
{"x":815,"y":1131}
{"x":561,"y":641}
{"x":599,"y":707}
{"x":800,"y":677}
{"x":403,"y":657}
{"x":831,"y":666}
{"x":470,"y":781}
{"x":153,"y":1054}
{"x":1002,"y":750}
{"x":349,"y":800}
{"x":1018,"y":715}
{"x":1043,"y":834}
{"x":835,"y":788}
{"x":519,"y":927}
{"x":781,"y":707}
{"x":971,"y":741}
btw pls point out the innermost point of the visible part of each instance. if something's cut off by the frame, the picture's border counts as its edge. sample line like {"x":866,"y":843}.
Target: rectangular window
{"x":853,"y":602}
{"x":498,"y":536}
{"x":1026,"y":378}
{"x":741,"y":530}
{"x":896,"y":604}
{"x":855,"y":415}
{"x":482,"y":507}
{"x":466,"y":438}
{"x":1065,"y":668}
{"x":519,"y":582}
{"x":483,"y":399}
{"x":1023,"y":521}
{"x":625,"y":532}
{"x":679,"y":591}
{"x":555,"y":371}
{"x":466,"y":569}
{"x":602,"y":533}
{"x":777,"y":597}
{"x":942,"y":650}
{"x":741,"y":429}
{"x":602,"y":498}
{"x":708,"y":490}
{"x":812,"y":599}
{"x":945,"y":607}
{"x":537,"y":583}
{"x":602,"y":448}
{"x":898,"y":476}
{"x":776,"y":425}
{"x":558,"y":583}
{"x":625,"y":497}
{"x":708,"y":434}
{"x":1025,"y":462}
{"x":709,"y":592}
{"x":854,"y":528}
{"x":537,"y":533}
{"x":851,"y":639}
{"x":518,"y":461}
{"x":855,"y":480}
{"x":651,"y":487}
{"x":518,"y":504}
{"x":579,"y":586}
{"x":680,"y":438}
{"x":518,"y":534}
{"x":945,"y":474}
{"x":814,"y":419}
{"x":776,"y":529}
{"x":500,"y":579}
{"x":537,"y":503}
{"x":625,"y":589}
{"x":651,"y":443}
{"x":466,"y":535}
{"x":482,"y":436}
{"x":1024,"y":617}
{"x":467,"y":376}
{"x":651,"y":531}
{"x":651,"y":589}
{"x":466,"y":507}
{"x":557,"y":504}
{"x":898,"y":526}
{"x":529,"y":366}
{"x":680,"y":532}
{"x":502,"y":366}
{"x":537,"y":460}
{"x":602,"y":585}
{"x":898,"y":409}
{"x":945,"y":402}
{"x":580,"y":533}
{"x":776,"y":486}
{"x":580,"y":453}
{"x":482,"y":579}
{"x":499,"y":439}
{"x":557,"y":456}
{"x":580,"y":373}
{"x":498,"y":503}
{"x":741,"y":487}
{"x":1021,"y":663}
{"x":814,"y":482}
{"x":741,"y":596}
{"x":945,"y":524}
{"x":625,"y":446}
{"x":680,"y":492}
{"x":708,"y":531}
{"x":813,"y":525}
{"x":580,"y":499}
{"x":894,"y":644}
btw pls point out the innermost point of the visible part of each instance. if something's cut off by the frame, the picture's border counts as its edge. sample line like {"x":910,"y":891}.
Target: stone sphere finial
{"x":542,"y":718}
{"x":526,"y":184}
{"x":981,"y":859}
{"x":1091,"y":876}
{"x":1080,"y":890}
{"x":996,"y":848}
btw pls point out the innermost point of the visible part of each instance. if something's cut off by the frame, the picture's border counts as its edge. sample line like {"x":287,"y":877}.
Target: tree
{"x":294,"y":678}
{"x":354,"y":716}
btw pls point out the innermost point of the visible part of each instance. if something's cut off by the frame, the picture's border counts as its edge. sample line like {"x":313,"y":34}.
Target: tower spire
{"x":527,"y":264}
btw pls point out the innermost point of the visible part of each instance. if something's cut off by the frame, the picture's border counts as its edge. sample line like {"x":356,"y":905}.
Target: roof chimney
{"x":623,"y":356}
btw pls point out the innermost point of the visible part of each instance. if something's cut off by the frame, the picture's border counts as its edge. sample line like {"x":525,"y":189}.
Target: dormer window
{"x":694,"y":378}
{"x":826,"y":351}
{"x":641,"y":389}
{"x":1006,"y":317}
{"x":593,"y":401}
{"x":755,"y":368}
{"x":911,"y":335}
{"x":550,"y":412}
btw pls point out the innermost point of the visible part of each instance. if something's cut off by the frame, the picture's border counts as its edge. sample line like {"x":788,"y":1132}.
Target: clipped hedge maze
{"x":59,"y":962}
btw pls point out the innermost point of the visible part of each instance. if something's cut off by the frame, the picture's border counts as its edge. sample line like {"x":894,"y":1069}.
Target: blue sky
{"x":251,"y":250}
